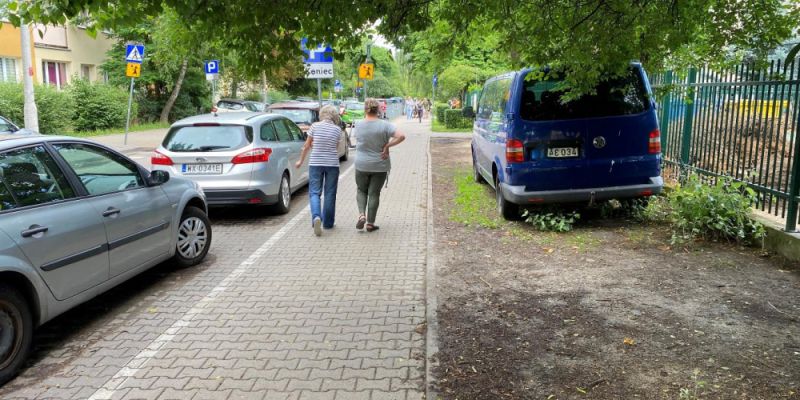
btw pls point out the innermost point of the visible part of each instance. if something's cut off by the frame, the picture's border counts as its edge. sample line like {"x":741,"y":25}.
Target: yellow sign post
{"x":366,"y":71}
{"x":133,"y":70}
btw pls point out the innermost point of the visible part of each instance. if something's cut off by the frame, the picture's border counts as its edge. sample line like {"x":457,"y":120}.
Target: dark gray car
{"x":76,"y":219}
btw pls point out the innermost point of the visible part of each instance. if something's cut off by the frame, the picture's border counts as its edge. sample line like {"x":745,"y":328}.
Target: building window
{"x":54,"y":73}
{"x":8,"y":70}
{"x":86,"y":71}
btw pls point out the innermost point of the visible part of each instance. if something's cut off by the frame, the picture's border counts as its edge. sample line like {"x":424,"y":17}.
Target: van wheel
{"x":508,"y":210}
{"x":194,"y":237}
{"x":16,"y":332}
{"x":284,"y":196}
{"x":476,"y":174}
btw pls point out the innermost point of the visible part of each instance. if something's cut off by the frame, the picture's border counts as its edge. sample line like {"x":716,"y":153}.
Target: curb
{"x":431,"y":301}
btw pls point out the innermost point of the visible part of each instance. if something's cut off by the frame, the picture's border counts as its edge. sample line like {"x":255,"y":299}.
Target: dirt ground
{"x":608,"y":311}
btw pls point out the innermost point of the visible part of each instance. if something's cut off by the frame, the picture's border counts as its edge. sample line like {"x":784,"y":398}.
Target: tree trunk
{"x":174,"y":96}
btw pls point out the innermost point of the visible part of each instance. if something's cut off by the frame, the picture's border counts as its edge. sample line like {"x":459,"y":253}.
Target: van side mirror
{"x":468,"y":112}
{"x":157,"y":178}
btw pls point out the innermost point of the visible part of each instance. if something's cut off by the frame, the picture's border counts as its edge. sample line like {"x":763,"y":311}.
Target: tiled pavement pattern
{"x":275,"y":314}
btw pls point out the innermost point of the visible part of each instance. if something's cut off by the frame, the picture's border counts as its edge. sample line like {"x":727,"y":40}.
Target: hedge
{"x":56,"y":108}
{"x":440,"y":109}
{"x":98,"y":105}
{"x":453,"y":119}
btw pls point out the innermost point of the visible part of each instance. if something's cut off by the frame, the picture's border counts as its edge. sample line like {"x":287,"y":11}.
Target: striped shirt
{"x":325,"y":148}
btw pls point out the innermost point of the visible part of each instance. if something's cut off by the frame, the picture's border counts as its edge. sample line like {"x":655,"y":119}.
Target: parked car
{"x":534,"y":149}
{"x":76,"y":219}
{"x":353,"y":111}
{"x":237,"y":158}
{"x":306,"y":113}
{"x":233,"y":105}
{"x":8,"y":127}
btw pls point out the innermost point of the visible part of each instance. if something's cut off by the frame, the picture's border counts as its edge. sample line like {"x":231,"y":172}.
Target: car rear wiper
{"x":212,"y":148}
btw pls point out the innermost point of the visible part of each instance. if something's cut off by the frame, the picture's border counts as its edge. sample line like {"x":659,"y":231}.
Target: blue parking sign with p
{"x":212,"y":67}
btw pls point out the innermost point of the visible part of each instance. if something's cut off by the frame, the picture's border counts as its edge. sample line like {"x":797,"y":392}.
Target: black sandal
{"x":361,"y":221}
{"x":371,"y":227}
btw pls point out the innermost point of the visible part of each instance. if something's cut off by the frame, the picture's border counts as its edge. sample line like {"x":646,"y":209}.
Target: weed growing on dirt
{"x":551,"y":220}
{"x":474,"y":207}
{"x":719,"y":211}
{"x":691,"y":393}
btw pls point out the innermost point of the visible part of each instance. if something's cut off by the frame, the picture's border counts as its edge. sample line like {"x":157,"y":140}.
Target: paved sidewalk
{"x":293,"y":316}
{"x":137,"y":141}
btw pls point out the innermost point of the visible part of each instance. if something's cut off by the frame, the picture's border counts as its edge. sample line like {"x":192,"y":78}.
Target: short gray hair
{"x":329,"y":113}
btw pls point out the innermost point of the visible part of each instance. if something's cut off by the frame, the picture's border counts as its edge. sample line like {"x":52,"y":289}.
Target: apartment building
{"x":64,"y":52}
{"x":11,"y":54}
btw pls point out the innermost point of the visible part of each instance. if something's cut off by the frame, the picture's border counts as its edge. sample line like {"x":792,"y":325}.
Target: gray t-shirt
{"x":371,"y":136}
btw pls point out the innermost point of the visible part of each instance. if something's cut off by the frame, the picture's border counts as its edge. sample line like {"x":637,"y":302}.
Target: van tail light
{"x":253,"y":156}
{"x":160,"y":159}
{"x":654,"y":145}
{"x":515,"y":151}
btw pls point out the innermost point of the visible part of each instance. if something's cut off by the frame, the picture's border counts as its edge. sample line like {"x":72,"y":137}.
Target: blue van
{"x":534,"y":149}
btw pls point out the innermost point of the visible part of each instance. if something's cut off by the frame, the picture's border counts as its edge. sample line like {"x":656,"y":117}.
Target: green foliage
{"x":719,"y":211}
{"x":56,"y":108}
{"x":276,"y":96}
{"x":472,"y":202}
{"x":453,"y":119}
{"x":98,"y":105}
{"x":551,"y":220}
{"x":439,"y":111}
{"x":253,"y":96}
{"x":455,"y":79}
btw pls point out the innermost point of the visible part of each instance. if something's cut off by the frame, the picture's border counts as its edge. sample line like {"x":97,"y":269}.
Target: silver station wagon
{"x":237,"y":158}
{"x":76,"y":219}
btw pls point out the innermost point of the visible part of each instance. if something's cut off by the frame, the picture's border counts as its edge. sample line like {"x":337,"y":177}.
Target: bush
{"x":98,"y":105}
{"x":551,"y":220}
{"x":439,"y":111}
{"x":717,"y":212}
{"x":55,"y":108}
{"x":454,"y":119}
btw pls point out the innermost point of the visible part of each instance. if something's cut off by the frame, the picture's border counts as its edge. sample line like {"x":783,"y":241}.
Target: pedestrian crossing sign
{"x":134,"y":53}
{"x":366,"y":71}
{"x":133,"y":70}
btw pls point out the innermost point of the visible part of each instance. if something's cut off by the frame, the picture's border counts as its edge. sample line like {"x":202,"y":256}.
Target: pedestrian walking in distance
{"x":323,"y":167}
{"x":374,"y":137}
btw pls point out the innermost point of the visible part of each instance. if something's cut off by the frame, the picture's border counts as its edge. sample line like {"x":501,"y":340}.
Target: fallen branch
{"x":484,"y":281}
{"x":794,"y":318}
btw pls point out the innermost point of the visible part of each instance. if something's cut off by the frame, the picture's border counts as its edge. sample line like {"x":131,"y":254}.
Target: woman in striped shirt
{"x":323,"y":167}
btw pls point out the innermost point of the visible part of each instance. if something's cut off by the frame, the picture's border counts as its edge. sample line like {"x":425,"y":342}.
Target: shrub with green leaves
{"x":439,"y":111}
{"x":551,"y":220}
{"x":55,"y":108}
{"x":454,"y":119}
{"x":719,"y":211}
{"x":98,"y":105}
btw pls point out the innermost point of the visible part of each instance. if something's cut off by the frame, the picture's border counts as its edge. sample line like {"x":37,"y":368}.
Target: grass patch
{"x":437,"y":126}
{"x":117,"y":131}
{"x":474,"y":205}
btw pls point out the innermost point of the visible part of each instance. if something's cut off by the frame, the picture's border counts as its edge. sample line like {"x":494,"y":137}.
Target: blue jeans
{"x":319,"y":178}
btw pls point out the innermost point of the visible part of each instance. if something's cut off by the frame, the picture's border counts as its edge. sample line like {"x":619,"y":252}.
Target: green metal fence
{"x":741,"y":123}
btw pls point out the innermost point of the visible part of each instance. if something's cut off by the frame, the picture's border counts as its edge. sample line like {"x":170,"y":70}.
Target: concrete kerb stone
{"x":431,"y":299}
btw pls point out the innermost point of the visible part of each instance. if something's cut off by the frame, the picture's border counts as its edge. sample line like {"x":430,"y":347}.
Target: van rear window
{"x":621,"y":96}
{"x":207,"y":138}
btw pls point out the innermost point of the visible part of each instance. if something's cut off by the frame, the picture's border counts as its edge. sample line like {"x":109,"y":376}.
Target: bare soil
{"x":608,"y":311}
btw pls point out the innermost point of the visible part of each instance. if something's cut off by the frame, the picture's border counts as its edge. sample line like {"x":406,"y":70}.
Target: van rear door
{"x":598,"y":140}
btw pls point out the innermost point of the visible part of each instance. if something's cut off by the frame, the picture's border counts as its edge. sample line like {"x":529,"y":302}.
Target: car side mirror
{"x":157,"y":178}
{"x":468,"y":112}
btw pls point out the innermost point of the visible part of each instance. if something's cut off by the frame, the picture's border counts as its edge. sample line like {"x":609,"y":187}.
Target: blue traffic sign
{"x":435,"y":80}
{"x":134,"y":53}
{"x":212,"y":67}
{"x":323,"y":54}
{"x":337,"y":83}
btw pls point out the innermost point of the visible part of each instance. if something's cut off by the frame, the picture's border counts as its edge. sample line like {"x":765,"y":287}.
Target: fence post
{"x":794,"y":182}
{"x":688,"y":119}
{"x":666,"y":109}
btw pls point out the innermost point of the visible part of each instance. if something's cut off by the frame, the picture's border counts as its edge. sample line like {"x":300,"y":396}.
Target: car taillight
{"x":160,"y":159}
{"x":253,"y":156}
{"x":515,"y":152}
{"x":654,"y":145}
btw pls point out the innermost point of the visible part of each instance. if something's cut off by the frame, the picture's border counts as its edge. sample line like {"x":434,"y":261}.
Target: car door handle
{"x":111,"y":211}
{"x":33,"y":230}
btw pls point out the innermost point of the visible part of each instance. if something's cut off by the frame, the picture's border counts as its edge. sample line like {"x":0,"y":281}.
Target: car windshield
{"x":355,"y":106}
{"x":297,"y":116}
{"x":229,"y":105}
{"x":621,"y":96}
{"x":207,"y":138}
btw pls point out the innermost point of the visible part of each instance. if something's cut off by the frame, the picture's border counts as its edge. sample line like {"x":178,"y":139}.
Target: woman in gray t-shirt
{"x":374,"y":137}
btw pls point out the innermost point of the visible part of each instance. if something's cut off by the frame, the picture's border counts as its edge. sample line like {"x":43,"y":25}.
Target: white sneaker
{"x":317,"y":226}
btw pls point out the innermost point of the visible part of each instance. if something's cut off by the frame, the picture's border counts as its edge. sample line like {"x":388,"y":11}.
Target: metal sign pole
{"x":128,"y":120}
{"x":319,"y":92}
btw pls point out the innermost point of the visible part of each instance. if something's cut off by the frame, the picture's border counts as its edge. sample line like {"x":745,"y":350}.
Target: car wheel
{"x":16,"y":331}
{"x":508,"y":210}
{"x":476,"y":174}
{"x":194,"y":237}
{"x":284,"y":196}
